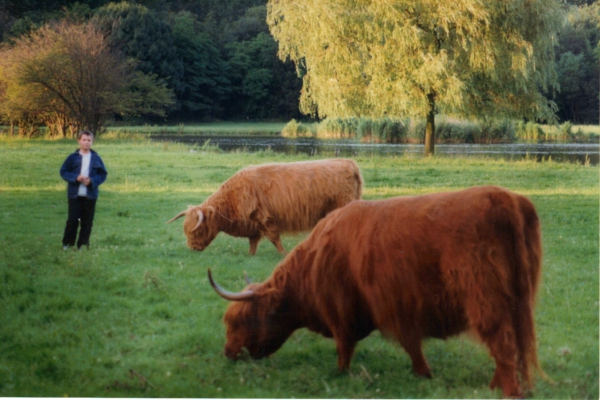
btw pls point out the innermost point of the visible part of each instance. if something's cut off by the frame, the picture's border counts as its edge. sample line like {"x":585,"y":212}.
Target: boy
{"x":84,"y":171}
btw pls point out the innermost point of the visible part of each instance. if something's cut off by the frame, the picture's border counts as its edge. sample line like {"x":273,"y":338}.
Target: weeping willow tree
{"x":416,"y":58}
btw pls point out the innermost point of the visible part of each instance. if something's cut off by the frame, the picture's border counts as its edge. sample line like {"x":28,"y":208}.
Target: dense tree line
{"x":578,"y":65}
{"x":66,"y":76}
{"x":216,"y":57}
{"x":220,"y":61}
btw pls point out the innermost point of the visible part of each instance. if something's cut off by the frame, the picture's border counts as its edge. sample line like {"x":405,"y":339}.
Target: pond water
{"x":573,"y":152}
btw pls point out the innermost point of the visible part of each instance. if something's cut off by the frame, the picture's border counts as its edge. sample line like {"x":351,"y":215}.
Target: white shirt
{"x":85,"y":171}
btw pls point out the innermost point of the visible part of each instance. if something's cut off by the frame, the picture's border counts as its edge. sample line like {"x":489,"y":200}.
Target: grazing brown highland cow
{"x":413,"y":267}
{"x":269,"y":199}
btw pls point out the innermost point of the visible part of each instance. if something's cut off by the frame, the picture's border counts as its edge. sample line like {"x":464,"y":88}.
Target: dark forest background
{"x":221,"y":62}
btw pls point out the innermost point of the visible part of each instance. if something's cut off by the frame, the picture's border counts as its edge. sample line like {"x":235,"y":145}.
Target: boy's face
{"x":85,"y":142}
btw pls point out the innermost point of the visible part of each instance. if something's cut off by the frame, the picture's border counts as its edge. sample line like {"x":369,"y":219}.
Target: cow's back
{"x":295,"y":196}
{"x":435,"y":242}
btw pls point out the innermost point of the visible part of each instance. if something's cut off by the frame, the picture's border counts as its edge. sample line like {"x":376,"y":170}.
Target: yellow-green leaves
{"x":383,"y":57}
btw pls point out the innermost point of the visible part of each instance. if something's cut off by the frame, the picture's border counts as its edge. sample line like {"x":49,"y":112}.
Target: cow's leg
{"x":503,"y":350}
{"x":254,"y":244}
{"x":345,"y":350}
{"x":268,"y":228}
{"x":499,"y":336}
{"x":420,"y":365}
{"x":505,"y":377}
{"x":273,"y":236}
{"x":412,"y":345}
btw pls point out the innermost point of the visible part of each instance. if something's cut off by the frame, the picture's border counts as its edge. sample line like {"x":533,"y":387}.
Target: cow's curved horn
{"x":248,"y":281}
{"x":181,"y":214}
{"x":200,"y":218}
{"x":241,"y":296}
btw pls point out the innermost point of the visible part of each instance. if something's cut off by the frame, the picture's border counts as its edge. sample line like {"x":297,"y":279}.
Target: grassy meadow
{"x":214,"y":128}
{"x":135,"y":316}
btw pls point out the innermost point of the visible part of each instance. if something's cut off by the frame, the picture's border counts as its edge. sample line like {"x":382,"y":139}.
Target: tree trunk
{"x":430,"y":126}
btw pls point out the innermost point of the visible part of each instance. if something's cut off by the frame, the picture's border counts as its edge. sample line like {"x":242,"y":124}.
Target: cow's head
{"x":256,"y":321}
{"x":199,"y":226}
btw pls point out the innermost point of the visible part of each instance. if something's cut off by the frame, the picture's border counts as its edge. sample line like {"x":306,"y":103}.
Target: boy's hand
{"x":83,"y":179}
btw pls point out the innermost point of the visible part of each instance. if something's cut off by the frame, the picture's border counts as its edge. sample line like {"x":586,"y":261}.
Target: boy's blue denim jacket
{"x":71,"y":169}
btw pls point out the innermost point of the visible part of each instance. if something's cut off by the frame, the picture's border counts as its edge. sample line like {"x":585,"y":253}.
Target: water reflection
{"x":581,"y":152}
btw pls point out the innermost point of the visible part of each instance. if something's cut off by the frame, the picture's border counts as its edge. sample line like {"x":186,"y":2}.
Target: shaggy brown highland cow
{"x":412,"y":267}
{"x":269,"y":199}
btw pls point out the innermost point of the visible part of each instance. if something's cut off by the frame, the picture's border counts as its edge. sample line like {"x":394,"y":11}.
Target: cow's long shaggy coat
{"x":412,"y":267}
{"x":270,"y":199}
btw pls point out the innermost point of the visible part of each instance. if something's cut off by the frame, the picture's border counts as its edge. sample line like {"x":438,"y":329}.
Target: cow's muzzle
{"x":196,"y":246}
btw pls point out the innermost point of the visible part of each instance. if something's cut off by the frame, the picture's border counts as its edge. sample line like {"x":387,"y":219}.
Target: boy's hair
{"x":88,"y":133}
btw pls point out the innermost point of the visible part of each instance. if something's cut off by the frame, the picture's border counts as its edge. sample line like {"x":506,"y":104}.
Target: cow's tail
{"x":528,"y":249}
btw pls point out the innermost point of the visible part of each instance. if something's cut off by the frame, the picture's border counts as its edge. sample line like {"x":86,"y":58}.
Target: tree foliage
{"x":205,"y":80}
{"x":142,"y":35}
{"x":220,"y":61}
{"x":578,"y":66}
{"x":406,"y":57}
{"x":218,"y":68}
{"x":67,"y":77}
{"x":261,"y":84}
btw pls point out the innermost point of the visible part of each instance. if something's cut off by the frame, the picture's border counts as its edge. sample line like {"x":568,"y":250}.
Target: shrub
{"x":385,"y":130}
{"x":455,"y":131}
{"x":365,"y":128}
{"x":395,"y":130}
{"x":565,"y":130}
{"x":296,"y":129}
{"x":338,"y":128}
{"x":529,"y":131}
{"x":496,"y":131}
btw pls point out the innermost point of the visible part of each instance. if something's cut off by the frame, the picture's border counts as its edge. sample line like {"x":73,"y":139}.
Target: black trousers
{"x":81,"y":210}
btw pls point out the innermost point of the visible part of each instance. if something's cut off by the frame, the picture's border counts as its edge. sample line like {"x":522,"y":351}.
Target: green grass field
{"x":135,"y":316}
{"x":216,"y":128}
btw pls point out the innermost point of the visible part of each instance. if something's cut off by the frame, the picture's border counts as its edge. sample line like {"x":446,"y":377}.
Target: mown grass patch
{"x":135,"y":316}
